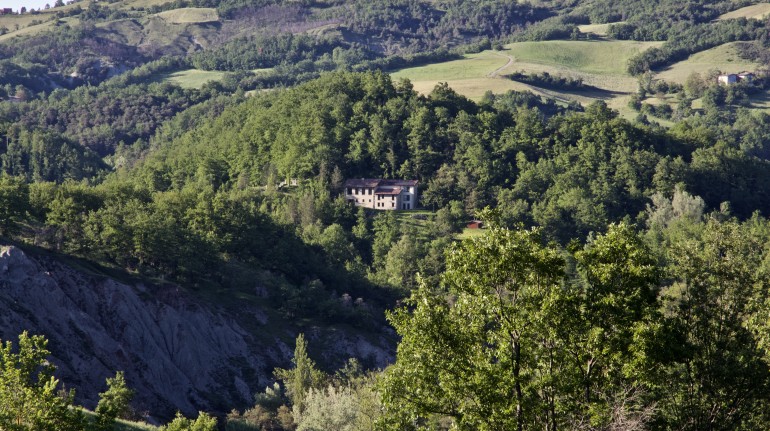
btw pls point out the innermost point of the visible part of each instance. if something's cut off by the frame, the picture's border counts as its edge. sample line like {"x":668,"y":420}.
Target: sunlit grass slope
{"x":189,"y":15}
{"x":601,"y":65}
{"x":724,"y":58}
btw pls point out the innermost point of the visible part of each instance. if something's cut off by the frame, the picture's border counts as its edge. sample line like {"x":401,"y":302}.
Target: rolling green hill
{"x":724,"y":58}
{"x":190,"y":15}
{"x":599,"y":64}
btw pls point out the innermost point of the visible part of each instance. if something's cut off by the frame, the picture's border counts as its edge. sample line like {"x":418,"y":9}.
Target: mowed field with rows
{"x":601,"y":64}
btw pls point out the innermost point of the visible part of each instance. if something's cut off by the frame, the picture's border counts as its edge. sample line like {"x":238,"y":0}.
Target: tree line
{"x":568,"y":171}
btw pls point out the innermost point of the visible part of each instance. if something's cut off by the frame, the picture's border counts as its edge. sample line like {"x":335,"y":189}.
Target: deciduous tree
{"x":30,"y":399}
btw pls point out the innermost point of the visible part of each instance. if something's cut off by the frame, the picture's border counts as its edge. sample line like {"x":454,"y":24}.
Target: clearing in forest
{"x":600,"y":64}
{"x":189,"y":15}
{"x":196,"y":78}
{"x":757,"y":11}
{"x":193,"y":78}
{"x":127,"y":4}
{"x":598,"y":29}
{"x":591,"y":57}
{"x":724,"y":58}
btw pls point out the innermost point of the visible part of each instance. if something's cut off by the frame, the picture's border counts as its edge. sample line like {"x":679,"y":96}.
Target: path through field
{"x":496,"y":72}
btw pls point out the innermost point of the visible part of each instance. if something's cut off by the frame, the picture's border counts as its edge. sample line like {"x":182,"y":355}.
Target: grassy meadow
{"x":189,"y":15}
{"x":196,"y":78}
{"x":11,"y":21}
{"x":193,"y":78}
{"x":28,"y":24}
{"x":724,"y":58}
{"x":757,"y":11}
{"x":127,"y":4}
{"x":592,"y":57}
{"x":598,"y":29}
{"x":22,"y":25}
{"x":600,"y":64}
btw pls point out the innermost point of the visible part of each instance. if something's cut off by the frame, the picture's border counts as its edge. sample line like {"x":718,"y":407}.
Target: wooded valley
{"x":620,"y":282}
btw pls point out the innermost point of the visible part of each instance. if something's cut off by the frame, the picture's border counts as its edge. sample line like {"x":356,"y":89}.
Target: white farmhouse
{"x":727,"y":79}
{"x":380,"y":194}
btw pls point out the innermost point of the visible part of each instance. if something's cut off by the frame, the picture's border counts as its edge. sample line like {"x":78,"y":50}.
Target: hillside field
{"x":11,"y":21}
{"x":724,"y":58}
{"x":192,"y":78}
{"x":757,"y":11}
{"x":26,"y":26}
{"x":127,"y":4}
{"x":196,"y":78}
{"x":189,"y":15}
{"x":599,"y":29}
{"x":593,"y":57}
{"x":600,"y":64}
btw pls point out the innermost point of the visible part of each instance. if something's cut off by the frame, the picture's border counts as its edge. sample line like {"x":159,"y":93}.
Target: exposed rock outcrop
{"x":178,"y":354}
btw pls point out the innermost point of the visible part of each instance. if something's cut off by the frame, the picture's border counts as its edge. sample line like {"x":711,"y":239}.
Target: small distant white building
{"x":732,"y":78}
{"x":746,"y":76}
{"x":380,"y":194}
{"x":728,"y":79}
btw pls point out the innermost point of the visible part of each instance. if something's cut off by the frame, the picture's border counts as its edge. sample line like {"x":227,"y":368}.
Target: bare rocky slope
{"x":177,"y":353}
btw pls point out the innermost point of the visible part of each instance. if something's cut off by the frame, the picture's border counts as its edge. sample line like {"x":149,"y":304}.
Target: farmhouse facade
{"x":728,"y":79}
{"x":732,"y":78}
{"x":380,"y":194}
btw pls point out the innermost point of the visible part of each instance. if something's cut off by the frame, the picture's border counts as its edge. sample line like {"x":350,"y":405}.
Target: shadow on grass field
{"x":761,"y":101}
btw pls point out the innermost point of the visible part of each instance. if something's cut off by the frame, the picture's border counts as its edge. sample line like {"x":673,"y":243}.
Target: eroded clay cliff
{"x":177,"y":352}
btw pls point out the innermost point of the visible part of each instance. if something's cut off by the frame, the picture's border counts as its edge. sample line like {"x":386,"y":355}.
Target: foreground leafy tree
{"x":203,"y":422}
{"x":348,"y":403}
{"x":300,"y":379}
{"x":470,"y":346}
{"x":114,"y":402}
{"x":719,"y":378}
{"x":613,"y":309}
{"x":29,"y":395}
{"x":511,"y":340}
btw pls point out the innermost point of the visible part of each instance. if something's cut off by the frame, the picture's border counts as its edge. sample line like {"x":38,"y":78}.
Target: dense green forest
{"x":644,"y":225}
{"x":664,"y":329}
